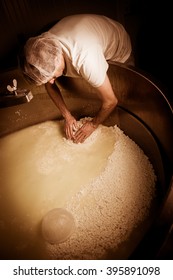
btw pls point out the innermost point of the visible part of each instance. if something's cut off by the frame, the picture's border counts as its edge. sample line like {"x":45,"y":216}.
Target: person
{"x":78,"y":46}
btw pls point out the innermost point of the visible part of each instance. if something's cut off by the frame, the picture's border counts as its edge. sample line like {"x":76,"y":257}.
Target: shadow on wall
{"x":153,"y":47}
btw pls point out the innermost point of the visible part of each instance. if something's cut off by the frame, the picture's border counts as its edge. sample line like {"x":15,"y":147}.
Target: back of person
{"x":85,"y":30}
{"x":88,"y":41}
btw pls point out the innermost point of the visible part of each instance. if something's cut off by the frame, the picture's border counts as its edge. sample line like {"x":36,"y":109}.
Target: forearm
{"x":103,"y":113}
{"x":109,"y":102}
{"x":57,"y":98}
{"x":90,"y":126}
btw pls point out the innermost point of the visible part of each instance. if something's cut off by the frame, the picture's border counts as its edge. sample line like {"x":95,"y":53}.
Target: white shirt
{"x":88,"y":42}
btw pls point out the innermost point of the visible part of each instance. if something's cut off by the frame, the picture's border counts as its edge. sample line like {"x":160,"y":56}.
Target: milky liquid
{"x":41,"y":170}
{"x":107,"y":183}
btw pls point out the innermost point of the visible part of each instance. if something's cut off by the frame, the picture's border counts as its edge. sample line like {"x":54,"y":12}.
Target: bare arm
{"x":70,"y":121}
{"x":109,"y":102}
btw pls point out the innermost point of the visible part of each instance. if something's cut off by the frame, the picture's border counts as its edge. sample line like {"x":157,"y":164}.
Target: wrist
{"x":94,"y":124}
{"x":67,"y":116}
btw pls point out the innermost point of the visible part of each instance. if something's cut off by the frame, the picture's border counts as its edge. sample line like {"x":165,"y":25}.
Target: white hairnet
{"x":42,"y":57}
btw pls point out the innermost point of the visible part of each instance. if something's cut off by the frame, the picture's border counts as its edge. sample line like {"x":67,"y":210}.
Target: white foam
{"x":112,"y":205}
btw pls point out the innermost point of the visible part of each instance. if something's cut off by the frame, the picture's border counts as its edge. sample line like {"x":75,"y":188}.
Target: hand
{"x":84,"y":132}
{"x":70,"y":127}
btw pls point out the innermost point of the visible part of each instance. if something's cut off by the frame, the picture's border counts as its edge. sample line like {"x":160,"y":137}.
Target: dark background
{"x":148,"y":23}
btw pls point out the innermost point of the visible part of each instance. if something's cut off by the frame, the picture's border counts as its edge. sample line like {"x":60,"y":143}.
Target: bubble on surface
{"x":57,"y":225}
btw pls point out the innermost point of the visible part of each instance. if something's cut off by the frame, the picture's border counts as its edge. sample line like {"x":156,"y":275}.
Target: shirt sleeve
{"x":94,"y":66}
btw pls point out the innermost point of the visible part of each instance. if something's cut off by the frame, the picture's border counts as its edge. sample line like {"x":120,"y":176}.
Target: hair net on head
{"x":42,"y":57}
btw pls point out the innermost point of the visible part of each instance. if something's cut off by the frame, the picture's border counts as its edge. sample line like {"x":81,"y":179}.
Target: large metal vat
{"x":143,"y":113}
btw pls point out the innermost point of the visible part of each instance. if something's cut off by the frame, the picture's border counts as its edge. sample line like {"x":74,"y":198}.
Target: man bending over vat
{"x":78,"y":46}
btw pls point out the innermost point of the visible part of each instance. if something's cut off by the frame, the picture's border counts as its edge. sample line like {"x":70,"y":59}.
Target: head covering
{"x":42,"y":57}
